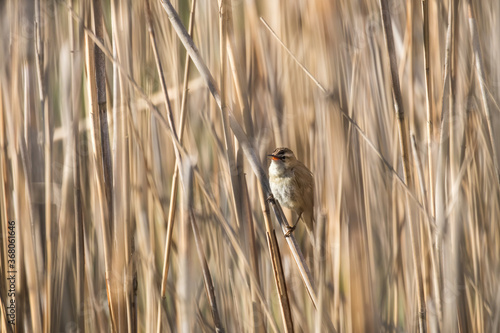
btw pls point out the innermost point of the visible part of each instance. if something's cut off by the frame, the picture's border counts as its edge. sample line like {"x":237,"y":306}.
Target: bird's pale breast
{"x":285,"y":187}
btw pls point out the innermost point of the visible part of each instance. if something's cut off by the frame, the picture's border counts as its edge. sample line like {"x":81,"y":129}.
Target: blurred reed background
{"x":407,"y":239}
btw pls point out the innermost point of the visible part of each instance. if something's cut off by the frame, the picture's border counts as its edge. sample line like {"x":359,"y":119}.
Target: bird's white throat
{"x":276,"y":169}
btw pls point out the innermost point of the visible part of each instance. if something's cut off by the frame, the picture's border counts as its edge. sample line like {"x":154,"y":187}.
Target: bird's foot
{"x":289,"y":230}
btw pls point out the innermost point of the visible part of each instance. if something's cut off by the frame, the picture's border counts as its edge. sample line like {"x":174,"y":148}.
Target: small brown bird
{"x":292,"y":184}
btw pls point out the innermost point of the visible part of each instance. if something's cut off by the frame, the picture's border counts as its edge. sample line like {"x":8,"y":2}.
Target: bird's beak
{"x":274,"y":158}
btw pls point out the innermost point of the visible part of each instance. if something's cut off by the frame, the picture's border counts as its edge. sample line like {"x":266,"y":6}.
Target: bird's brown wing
{"x":305,"y":180}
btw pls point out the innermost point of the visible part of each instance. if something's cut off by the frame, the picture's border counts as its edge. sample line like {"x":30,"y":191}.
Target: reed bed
{"x":134,"y":136}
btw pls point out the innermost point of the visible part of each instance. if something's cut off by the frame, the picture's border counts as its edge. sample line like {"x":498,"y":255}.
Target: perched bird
{"x":292,"y":185}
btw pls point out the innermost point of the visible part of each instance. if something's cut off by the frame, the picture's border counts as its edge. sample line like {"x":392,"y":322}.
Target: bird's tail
{"x":308,"y":219}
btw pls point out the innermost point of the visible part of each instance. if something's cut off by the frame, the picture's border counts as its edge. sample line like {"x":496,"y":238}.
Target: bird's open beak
{"x":274,"y":158}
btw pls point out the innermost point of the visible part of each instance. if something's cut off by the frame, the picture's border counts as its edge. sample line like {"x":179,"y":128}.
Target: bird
{"x":292,"y":184}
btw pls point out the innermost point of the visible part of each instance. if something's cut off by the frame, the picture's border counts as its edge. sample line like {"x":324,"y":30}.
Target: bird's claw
{"x":289,"y":231}
{"x":270,"y":198}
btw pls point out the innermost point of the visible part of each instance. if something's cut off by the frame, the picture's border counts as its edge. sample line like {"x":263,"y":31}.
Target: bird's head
{"x":283,"y":157}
